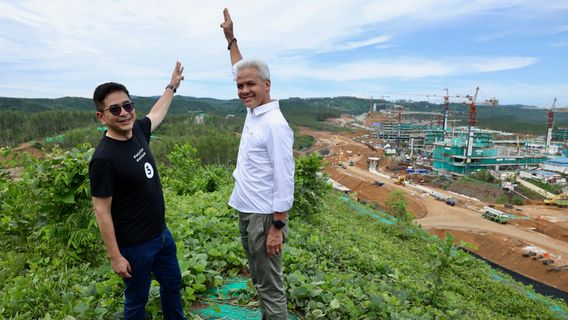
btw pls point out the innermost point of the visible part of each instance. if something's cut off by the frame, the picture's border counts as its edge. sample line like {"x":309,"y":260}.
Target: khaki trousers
{"x":266,"y":272}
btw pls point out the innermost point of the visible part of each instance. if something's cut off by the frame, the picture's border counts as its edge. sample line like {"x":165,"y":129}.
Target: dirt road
{"x":544,"y":227}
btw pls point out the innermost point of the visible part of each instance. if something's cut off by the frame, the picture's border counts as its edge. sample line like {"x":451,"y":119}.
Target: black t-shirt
{"x":126,"y":171}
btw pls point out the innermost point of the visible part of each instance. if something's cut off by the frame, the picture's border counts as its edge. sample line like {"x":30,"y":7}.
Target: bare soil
{"x":479,"y":190}
{"x":537,"y":225}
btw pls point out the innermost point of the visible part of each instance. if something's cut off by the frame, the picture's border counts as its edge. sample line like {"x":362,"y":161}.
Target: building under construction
{"x":560,"y":135}
{"x":453,"y":155}
{"x":465,"y":149}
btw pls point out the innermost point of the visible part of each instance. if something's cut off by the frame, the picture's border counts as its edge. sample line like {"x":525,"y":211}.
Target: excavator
{"x":400,"y":180}
{"x":560,"y":200}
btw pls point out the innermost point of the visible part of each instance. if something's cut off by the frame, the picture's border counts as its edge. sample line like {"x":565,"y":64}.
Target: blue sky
{"x":516,"y":51}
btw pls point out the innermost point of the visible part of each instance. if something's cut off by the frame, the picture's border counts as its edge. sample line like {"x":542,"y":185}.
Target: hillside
{"x":342,"y":260}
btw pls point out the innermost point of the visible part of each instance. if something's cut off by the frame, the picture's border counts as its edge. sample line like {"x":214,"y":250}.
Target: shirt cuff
{"x":282,"y":205}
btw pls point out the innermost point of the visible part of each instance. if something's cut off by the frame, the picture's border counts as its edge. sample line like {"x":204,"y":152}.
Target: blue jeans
{"x":156,"y":256}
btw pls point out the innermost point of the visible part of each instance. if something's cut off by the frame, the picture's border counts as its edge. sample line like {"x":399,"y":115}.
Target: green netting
{"x":514,"y":216}
{"x":381,"y":216}
{"x":229,"y":290}
{"x":536,"y":297}
{"x":59,"y":138}
{"x":229,"y":312}
{"x":220,"y":307}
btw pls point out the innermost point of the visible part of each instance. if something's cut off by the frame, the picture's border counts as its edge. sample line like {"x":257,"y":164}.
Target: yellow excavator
{"x":560,"y":200}
{"x":400,"y":180}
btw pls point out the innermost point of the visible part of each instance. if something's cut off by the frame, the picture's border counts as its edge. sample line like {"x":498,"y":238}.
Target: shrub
{"x":309,"y":186}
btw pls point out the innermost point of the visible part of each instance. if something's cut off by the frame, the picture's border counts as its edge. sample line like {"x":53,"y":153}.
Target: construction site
{"x":458,"y":150}
{"x":517,"y":221}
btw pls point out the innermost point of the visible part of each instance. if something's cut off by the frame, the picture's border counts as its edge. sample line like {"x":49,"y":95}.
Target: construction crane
{"x":472,"y":124}
{"x":472,"y":108}
{"x":446,"y":109}
{"x":549,"y":126}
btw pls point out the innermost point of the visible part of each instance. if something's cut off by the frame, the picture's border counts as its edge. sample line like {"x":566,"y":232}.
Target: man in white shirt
{"x":264,"y":179}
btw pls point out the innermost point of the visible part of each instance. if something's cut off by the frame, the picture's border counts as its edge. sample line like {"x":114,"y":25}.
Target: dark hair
{"x":103,"y":90}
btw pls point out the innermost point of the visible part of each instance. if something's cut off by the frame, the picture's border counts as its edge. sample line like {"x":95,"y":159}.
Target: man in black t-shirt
{"x":128,"y":199}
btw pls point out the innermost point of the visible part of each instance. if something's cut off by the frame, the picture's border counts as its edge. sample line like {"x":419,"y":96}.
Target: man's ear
{"x":267,"y":83}
{"x":101,"y":117}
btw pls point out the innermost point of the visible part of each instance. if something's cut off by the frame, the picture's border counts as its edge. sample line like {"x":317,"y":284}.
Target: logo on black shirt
{"x":148,"y":170}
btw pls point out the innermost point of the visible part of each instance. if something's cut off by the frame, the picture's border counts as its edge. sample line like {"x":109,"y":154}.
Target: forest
{"x":23,"y":120}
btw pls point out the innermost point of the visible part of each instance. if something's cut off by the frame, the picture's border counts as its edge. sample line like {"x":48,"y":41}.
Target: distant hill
{"x":311,"y":111}
{"x":180,"y":104}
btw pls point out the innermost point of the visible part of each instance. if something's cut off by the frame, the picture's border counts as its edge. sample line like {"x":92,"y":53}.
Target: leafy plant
{"x":444,"y":255}
{"x":185,"y":175}
{"x":51,"y":205}
{"x":397,"y":206}
{"x":309,"y":186}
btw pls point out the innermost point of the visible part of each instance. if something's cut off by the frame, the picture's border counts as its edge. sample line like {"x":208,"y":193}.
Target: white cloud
{"x":137,"y":42}
{"x":502,"y":63}
{"x":350,"y":45}
{"x":402,"y":68}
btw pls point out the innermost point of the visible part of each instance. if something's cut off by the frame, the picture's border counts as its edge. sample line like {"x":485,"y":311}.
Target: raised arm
{"x":161,"y":107}
{"x":233,"y":47}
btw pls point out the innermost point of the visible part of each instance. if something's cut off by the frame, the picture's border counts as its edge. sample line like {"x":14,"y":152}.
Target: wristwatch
{"x":278,"y":224}
{"x":171,"y":86}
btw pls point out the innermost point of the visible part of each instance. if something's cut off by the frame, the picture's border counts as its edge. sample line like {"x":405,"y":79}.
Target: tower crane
{"x":472,"y":108}
{"x":446,"y":109}
{"x":472,"y":123}
{"x":549,"y":125}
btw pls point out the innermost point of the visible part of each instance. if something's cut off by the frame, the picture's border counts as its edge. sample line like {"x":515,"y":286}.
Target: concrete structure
{"x":559,"y":164}
{"x":338,"y":186}
{"x":534,"y":188}
{"x":543,"y":176}
{"x":451,"y":155}
{"x":560,"y":134}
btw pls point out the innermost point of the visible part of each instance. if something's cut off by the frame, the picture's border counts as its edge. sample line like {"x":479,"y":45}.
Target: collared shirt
{"x":264,"y":177}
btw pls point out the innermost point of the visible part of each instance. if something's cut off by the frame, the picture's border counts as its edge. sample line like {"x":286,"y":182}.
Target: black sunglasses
{"x":115,"y":109}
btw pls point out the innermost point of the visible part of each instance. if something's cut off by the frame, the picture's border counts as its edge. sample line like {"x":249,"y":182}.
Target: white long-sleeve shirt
{"x":264,"y":177}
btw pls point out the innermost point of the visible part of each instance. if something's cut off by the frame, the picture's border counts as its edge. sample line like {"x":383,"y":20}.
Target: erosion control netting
{"x":220,"y":304}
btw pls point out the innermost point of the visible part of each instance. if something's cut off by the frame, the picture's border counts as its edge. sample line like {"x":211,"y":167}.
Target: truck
{"x":451,"y":202}
{"x":495,"y":215}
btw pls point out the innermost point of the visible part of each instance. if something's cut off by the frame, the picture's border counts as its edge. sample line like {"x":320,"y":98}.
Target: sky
{"x":515,"y":51}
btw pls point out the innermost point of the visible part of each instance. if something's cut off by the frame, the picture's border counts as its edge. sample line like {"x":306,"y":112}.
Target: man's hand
{"x":274,"y":242}
{"x":121,"y":266}
{"x":227,"y":26}
{"x":177,"y":75}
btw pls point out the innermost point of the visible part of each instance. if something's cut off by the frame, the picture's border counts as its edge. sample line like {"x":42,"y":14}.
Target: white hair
{"x":260,"y":65}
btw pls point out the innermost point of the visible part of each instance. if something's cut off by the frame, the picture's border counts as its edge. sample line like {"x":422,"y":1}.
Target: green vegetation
{"x":18,"y":126}
{"x":483,"y":175}
{"x":510,"y":198}
{"x":303,"y":142}
{"x":472,"y":187}
{"x":397,"y":207}
{"x":308,"y":186}
{"x":555,"y":189}
{"x":529,"y":193}
{"x":338,"y":264}
{"x":24,"y":119}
